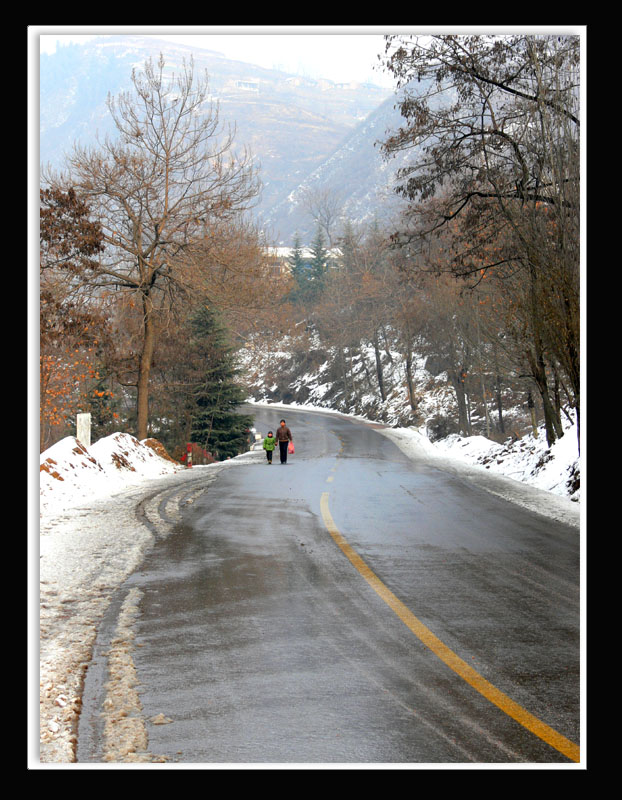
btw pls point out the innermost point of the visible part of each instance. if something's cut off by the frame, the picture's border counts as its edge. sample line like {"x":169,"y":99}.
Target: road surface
{"x":355,"y":606}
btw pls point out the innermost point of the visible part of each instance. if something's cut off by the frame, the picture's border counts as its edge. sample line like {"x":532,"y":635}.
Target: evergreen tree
{"x":299,"y":271}
{"x":319,"y":257}
{"x":317,"y":270}
{"x":308,"y":275}
{"x":216,"y":423}
{"x":296,"y":260}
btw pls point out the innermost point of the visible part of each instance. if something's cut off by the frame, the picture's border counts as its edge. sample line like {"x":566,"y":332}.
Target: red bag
{"x":290,"y":448}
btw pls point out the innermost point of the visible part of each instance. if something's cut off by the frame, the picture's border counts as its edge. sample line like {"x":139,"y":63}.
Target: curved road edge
{"x":537,"y":500}
{"x":85,"y":554}
{"x":415,"y":447}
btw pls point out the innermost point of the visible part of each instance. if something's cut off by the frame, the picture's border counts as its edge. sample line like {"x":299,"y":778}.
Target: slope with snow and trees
{"x":451,"y":314}
{"x":456,"y":307}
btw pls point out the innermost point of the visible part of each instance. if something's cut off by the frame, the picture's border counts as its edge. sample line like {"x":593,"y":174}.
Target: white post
{"x":83,"y":429}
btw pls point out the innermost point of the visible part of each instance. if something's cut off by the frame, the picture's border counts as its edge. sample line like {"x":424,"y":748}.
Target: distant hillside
{"x":356,"y":175}
{"x":293,"y":126}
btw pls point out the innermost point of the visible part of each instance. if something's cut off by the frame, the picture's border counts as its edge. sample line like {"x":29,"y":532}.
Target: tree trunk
{"x":535,"y":355}
{"x":463,"y":415}
{"x":499,"y":403}
{"x":532,"y":411}
{"x":351,"y":374}
{"x":551,"y":423}
{"x":379,"y":371}
{"x":409,"y":379}
{"x":370,"y":384}
{"x":144,"y":370}
{"x":485,"y":402}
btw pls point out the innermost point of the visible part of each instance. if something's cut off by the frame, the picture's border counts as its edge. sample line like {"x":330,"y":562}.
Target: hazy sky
{"x":336,"y":53}
{"x":339,"y":53}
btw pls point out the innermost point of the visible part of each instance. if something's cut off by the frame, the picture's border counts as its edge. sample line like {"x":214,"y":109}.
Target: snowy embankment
{"x":529,"y":460}
{"x":70,"y":473}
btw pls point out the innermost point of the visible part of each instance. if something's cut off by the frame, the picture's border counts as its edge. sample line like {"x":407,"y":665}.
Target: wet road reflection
{"x":263,"y":645}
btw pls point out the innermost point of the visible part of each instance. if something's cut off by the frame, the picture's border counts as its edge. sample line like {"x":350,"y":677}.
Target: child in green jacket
{"x":269,"y":443}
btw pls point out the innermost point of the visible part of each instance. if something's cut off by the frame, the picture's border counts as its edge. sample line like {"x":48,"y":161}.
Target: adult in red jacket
{"x":283,"y":437}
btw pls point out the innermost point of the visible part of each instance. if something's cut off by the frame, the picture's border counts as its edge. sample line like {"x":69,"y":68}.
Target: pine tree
{"x":299,"y":272}
{"x":296,"y":260}
{"x":316,"y":272}
{"x":319,"y":257}
{"x":216,"y":423}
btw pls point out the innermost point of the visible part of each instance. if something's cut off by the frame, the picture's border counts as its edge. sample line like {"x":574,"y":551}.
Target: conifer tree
{"x":319,"y":256}
{"x":296,"y":260}
{"x":216,"y":423}
{"x":299,"y":272}
{"x":317,"y":267}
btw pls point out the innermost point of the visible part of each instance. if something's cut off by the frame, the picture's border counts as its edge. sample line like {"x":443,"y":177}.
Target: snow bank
{"x":530,"y":460}
{"x":70,"y":473}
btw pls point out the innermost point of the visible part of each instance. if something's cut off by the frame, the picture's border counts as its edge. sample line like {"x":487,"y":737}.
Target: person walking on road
{"x":269,"y":443}
{"x":283,"y":437}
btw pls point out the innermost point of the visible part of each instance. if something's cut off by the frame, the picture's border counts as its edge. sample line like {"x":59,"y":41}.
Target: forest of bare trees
{"x":480,"y":273}
{"x":495,"y":122}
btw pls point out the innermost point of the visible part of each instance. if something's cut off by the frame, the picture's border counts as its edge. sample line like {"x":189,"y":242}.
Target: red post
{"x":189,"y":456}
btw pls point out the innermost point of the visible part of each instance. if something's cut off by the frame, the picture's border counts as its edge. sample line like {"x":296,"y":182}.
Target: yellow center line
{"x":453,"y":661}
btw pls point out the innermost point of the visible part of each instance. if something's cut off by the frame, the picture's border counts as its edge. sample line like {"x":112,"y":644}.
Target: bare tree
{"x":155,"y":190}
{"x":474,"y":106}
{"x":325,"y":206}
{"x":493,"y":123}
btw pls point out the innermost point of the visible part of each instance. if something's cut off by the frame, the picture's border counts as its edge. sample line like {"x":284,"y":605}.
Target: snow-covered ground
{"x":529,"y":459}
{"x":71,"y":474}
{"x":91,"y":538}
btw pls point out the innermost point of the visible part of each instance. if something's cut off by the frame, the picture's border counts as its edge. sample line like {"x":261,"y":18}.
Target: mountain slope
{"x":356,"y":175}
{"x":291,"y":125}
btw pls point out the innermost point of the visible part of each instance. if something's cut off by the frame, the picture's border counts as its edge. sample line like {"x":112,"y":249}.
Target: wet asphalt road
{"x":263,"y":643}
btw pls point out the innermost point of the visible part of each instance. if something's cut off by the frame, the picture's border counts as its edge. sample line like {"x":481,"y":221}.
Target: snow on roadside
{"x":528,"y":459}
{"x":87,"y":547}
{"x":70,"y":473}
{"x":90,"y":540}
